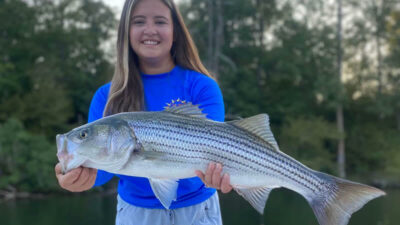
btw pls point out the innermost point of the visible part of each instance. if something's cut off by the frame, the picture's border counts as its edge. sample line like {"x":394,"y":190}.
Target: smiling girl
{"x":157,"y":62}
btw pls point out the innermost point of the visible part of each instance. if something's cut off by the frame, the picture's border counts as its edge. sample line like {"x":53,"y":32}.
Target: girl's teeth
{"x":150,"y":42}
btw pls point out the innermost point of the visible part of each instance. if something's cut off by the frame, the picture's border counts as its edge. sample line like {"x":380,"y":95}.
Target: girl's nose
{"x":150,"y":29}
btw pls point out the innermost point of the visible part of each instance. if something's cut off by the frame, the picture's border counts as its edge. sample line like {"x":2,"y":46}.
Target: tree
{"x":341,"y":159}
{"x":393,"y":59}
{"x":52,"y":62}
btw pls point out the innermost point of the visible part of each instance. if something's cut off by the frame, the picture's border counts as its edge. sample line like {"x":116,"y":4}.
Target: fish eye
{"x":83,"y":134}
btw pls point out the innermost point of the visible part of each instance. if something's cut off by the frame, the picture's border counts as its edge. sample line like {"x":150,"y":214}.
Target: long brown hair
{"x":126,"y":91}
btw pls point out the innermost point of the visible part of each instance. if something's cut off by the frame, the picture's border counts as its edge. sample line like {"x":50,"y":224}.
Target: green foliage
{"x":372,"y":147}
{"x":292,"y":76}
{"x":310,"y":140}
{"x":25,"y":159}
{"x":52,"y":61}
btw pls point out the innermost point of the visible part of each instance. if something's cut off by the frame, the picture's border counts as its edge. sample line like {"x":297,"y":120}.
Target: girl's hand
{"x":76,"y":180}
{"x":213,"y":178}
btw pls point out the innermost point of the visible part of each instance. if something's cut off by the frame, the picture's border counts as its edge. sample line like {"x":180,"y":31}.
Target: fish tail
{"x":340,"y":199}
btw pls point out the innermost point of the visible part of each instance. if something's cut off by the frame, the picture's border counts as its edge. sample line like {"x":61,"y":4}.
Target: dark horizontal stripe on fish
{"x":198,"y":126}
{"x":259,"y":147}
{"x":185,"y":156}
{"x":216,"y":127}
{"x":296,"y":174}
{"x":277,"y":165}
{"x":232,"y":160}
{"x":255,"y":147}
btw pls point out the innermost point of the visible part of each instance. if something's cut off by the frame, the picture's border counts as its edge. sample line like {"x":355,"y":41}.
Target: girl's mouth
{"x":150,"y":42}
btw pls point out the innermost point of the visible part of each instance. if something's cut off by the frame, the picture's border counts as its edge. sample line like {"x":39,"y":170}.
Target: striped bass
{"x":172,"y":144}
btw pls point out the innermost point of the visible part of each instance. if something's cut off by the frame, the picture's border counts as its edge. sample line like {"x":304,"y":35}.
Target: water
{"x":283,"y":208}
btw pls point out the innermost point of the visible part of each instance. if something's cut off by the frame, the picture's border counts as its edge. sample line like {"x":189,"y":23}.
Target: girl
{"x":157,"y":62}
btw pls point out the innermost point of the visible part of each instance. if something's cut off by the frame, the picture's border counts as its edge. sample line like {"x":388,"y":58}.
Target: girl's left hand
{"x":213,"y":178}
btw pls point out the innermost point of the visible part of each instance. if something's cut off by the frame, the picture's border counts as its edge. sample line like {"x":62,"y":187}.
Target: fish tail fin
{"x":335,"y":205}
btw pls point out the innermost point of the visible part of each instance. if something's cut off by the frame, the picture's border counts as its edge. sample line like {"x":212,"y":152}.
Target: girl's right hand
{"x":76,"y":180}
{"x":212,"y":178}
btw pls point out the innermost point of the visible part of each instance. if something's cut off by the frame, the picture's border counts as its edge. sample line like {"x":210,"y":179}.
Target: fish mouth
{"x":62,"y":152}
{"x":67,"y":159}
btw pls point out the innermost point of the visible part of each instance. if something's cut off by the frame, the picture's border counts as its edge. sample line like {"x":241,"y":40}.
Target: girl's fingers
{"x":57,"y":169}
{"x":200,"y":175}
{"x":69,"y":178}
{"x":89,"y":181}
{"x":79,"y":179}
{"x":84,"y":176}
{"x":226,"y":184}
{"x":216,"y":176}
{"x":212,"y":178}
{"x":93,"y":176}
{"x":209,"y":174}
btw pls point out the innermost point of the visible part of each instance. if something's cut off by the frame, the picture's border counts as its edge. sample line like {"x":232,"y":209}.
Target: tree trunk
{"x":341,"y":157}
{"x":215,"y":35}
{"x":377,"y":15}
{"x":398,"y":120}
{"x":219,"y":37}
{"x":260,"y":19}
{"x":210,"y":48}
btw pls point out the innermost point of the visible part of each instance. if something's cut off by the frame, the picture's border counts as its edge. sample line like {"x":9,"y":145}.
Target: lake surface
{"x":283,"y":208}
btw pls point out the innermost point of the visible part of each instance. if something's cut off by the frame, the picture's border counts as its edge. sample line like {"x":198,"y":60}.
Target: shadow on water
{"x":283,"y":208}
{"x":60,"y":210}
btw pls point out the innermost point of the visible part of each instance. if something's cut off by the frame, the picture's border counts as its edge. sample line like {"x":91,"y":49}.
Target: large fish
{"x":172,"y":144}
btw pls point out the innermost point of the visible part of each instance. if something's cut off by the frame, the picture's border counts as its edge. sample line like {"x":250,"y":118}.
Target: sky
{"x":116,"y":5}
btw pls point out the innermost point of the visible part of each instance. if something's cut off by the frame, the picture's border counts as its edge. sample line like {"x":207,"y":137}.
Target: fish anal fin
{"x":257,"y":197}
{"x":165,"y":190}
{"x":258,"y":125}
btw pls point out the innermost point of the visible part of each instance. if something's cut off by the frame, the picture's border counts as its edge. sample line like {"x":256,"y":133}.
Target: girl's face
{"x":151,"y":30}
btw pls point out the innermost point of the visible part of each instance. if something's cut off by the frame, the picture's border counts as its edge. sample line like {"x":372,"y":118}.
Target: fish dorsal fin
{"x":257,"y":197}
{"x":258,"y":125}
{"x":165,"y":190}
{"x":184,"y":108}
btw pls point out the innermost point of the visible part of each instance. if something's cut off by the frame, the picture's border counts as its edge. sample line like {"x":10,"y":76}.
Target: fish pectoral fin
{"x":150,"y":155}
{"x":149,"y":152}
{"x":257,"y":197}
{"x":165,"y":190}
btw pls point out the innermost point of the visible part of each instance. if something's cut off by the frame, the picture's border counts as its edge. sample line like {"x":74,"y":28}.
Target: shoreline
{"x":12,"y":196}
{"x":15,"y":195}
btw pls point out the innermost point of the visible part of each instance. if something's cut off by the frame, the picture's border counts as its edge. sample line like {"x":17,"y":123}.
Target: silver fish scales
{"x":173,"y":144}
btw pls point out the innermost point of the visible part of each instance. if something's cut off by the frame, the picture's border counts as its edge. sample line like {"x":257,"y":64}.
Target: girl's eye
{"x":138,"y":22}
{"x":160,"y":22}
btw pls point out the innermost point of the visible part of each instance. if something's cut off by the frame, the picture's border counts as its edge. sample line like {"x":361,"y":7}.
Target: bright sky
{"x":116,"y":5}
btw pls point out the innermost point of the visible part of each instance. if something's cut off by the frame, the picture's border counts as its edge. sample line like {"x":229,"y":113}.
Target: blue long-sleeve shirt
{"x":159,"y":90}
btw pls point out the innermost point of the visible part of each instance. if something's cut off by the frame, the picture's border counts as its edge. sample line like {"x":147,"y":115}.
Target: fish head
{"x":103,"y":144}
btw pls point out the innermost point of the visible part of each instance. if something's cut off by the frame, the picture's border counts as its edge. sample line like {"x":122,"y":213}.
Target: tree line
{"x":275,"y":57}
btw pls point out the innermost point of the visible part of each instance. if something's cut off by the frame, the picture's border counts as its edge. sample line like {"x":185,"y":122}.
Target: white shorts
{"x":204,"y":213}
